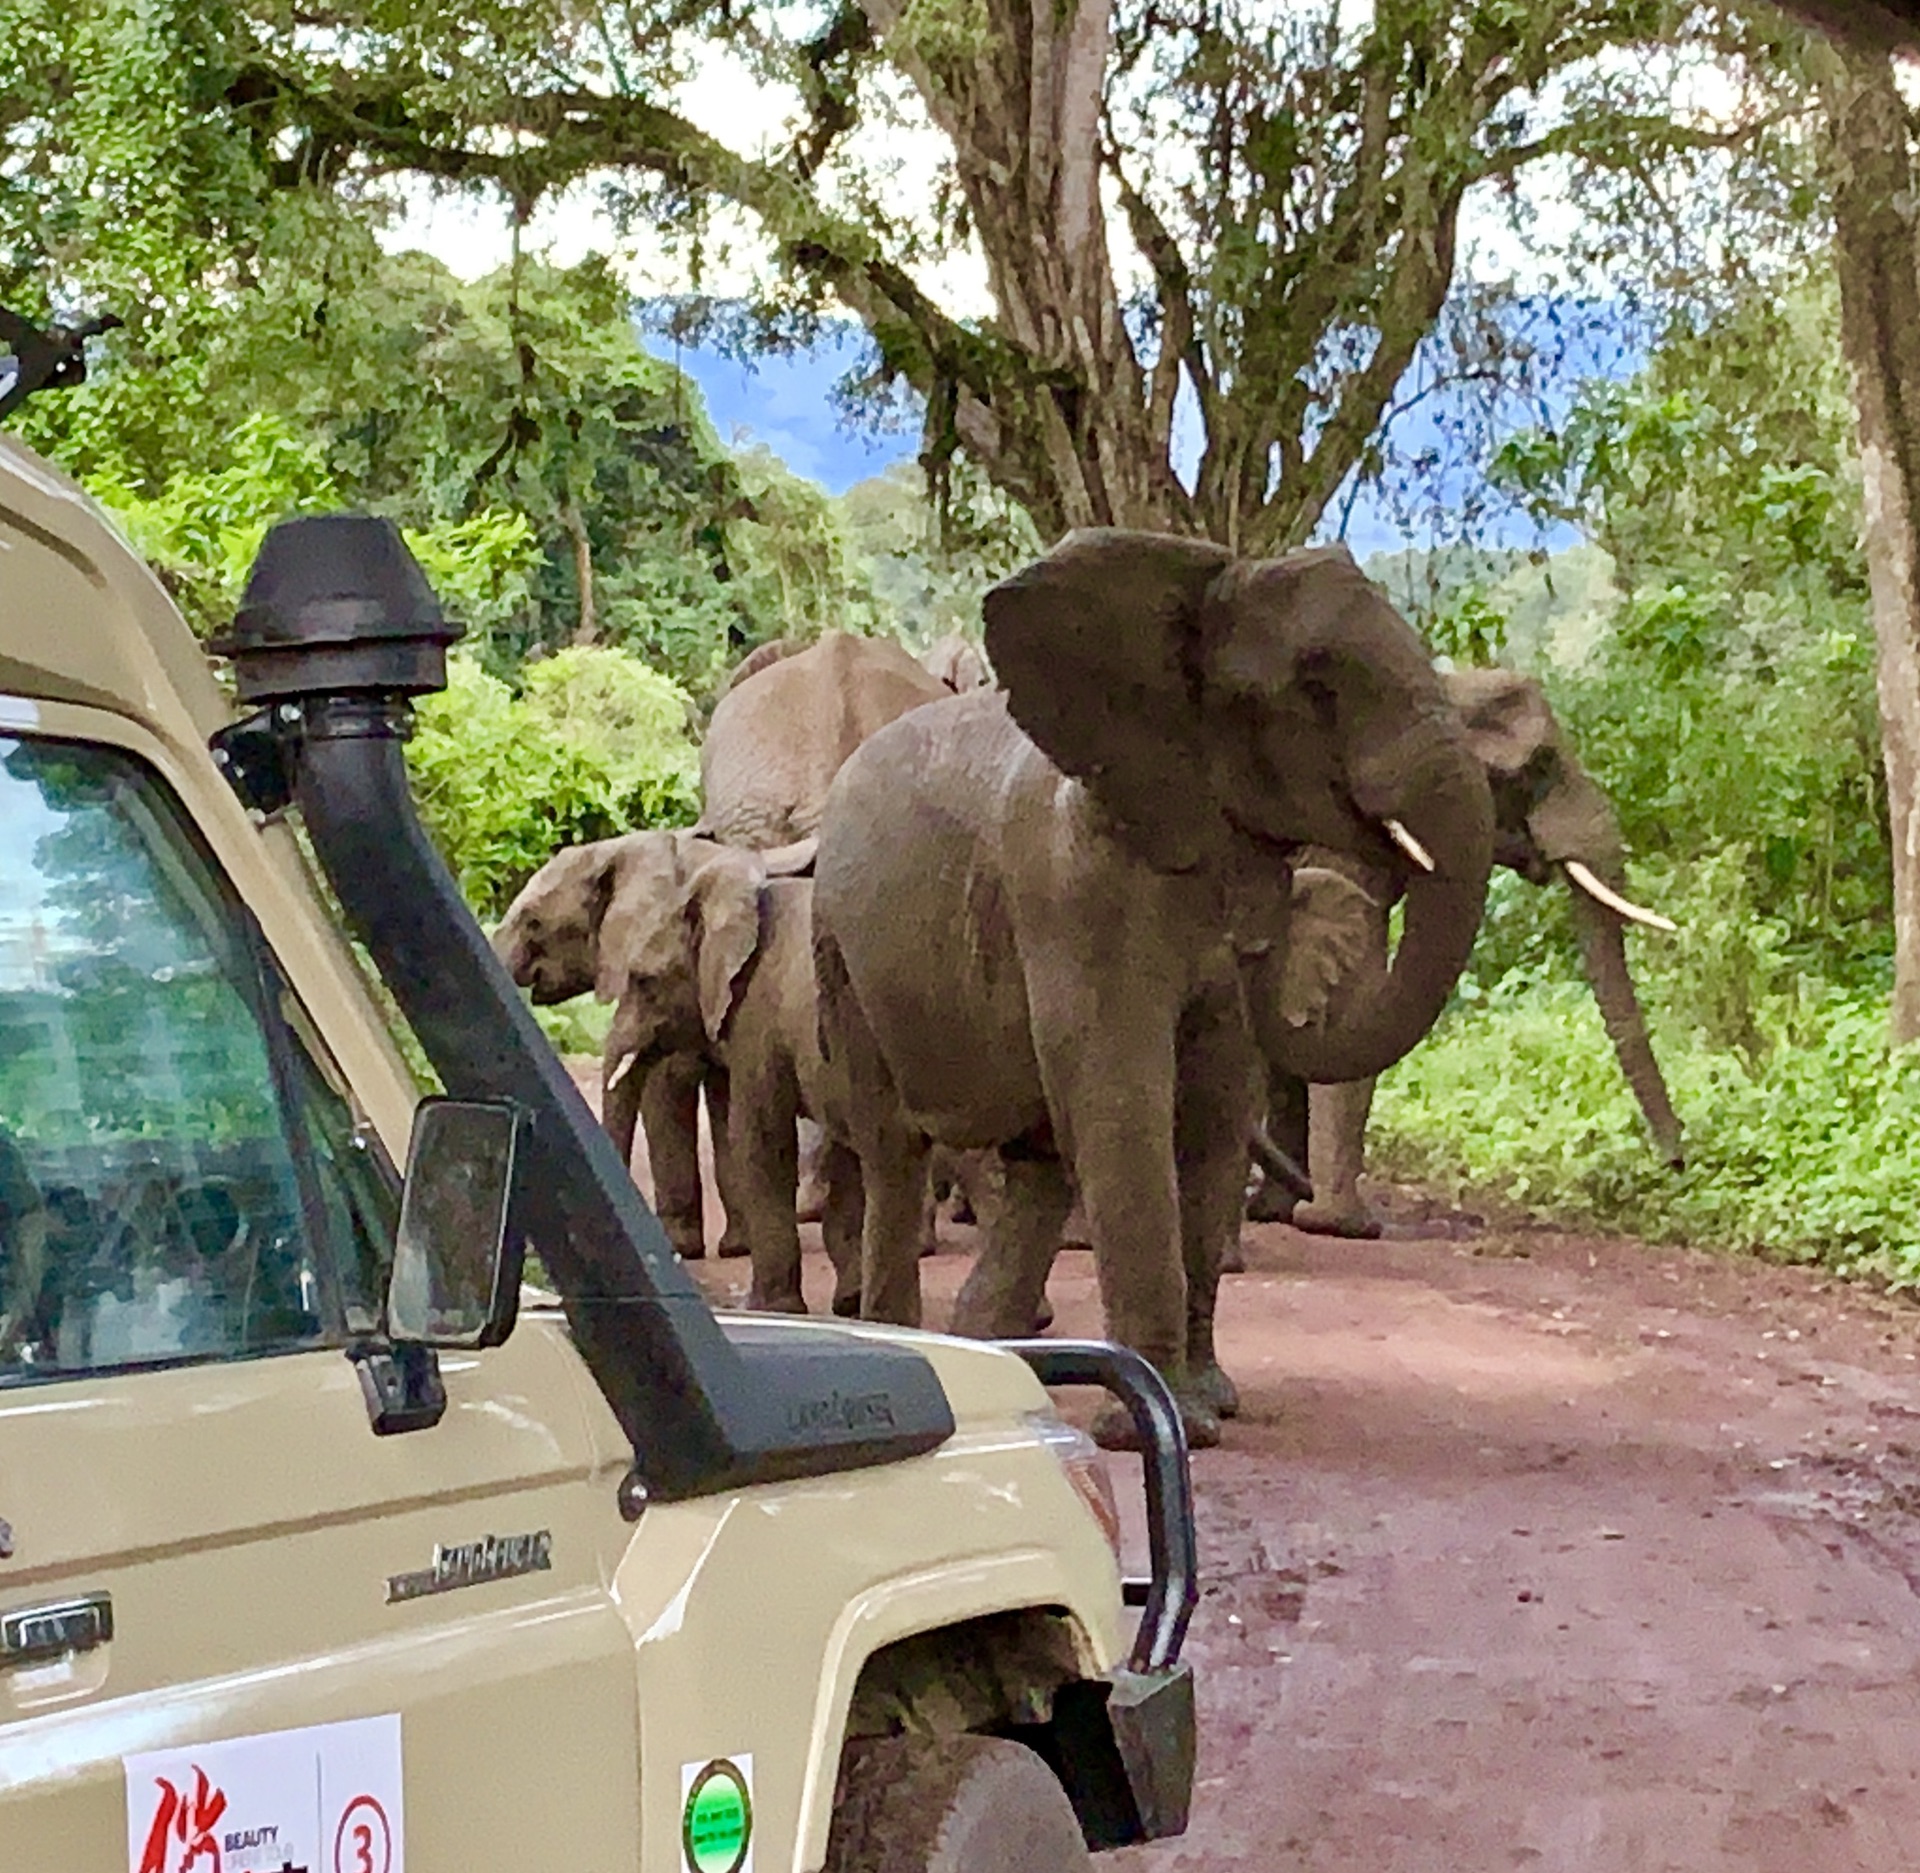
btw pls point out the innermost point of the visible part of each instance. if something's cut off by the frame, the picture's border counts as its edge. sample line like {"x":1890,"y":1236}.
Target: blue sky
{"x":787,"y":403}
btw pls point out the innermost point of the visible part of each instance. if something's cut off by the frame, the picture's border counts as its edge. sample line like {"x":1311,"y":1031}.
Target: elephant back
{"x":778,"y":738}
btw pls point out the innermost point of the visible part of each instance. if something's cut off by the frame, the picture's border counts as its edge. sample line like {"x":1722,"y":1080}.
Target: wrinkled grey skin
{"x":1548,"y":811}
{"x":779,"y":737}
{"x":1027,"y":902}
{"x":710,"y":938}
{"x":565,"y":935}
{"x":789,"y":715}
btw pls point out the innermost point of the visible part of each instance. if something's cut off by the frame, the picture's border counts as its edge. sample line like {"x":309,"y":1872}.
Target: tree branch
{"x":1629,"y":137}
{"x":1179,"y":341}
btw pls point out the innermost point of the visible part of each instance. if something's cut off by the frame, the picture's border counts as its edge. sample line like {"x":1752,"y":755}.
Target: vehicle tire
{"x":953,"y":1804}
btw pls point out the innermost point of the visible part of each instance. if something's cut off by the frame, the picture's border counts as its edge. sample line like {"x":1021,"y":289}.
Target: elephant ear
{"x":1335,"y":936}
{"x":1539,"y":786}
{"x":639,"y":930}
{"x":1095,"y":644}
{"x":726,"y":910}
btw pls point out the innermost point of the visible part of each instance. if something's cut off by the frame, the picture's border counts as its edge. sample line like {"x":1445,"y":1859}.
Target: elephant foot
{"x":1355,"y":1223}
{"x":1233,"y":1259}
{"x":847,"y":1306}
{"x":734,"y":1248}
{"x":689,"y":1245}
{"x":1206,"y":1380}
{"x":1113,"y":1428}
{"x":778,"y":1303}
{"x":962,"y":1211}
{"x":1044,"y":1318}
{"x":810,"y":1206}
{"x":1271,"y":1203}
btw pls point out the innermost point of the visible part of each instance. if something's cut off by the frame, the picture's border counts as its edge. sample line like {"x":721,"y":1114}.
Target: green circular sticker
{"x":718,"y":1821}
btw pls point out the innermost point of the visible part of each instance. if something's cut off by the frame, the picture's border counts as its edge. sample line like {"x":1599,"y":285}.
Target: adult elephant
{"x":1031,"y":906}
{"x":1551,"y":821}
{"x":788,"y":717}
{"x":778,"y":737}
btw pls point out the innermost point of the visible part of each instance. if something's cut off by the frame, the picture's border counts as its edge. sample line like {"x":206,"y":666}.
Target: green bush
{"x":596,"y":744}
{"x":1803,"y":1137}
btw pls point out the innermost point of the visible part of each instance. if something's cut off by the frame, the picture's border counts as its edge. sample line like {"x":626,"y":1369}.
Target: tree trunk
{"x":1875,"y":256}
{"x":587,"y":630}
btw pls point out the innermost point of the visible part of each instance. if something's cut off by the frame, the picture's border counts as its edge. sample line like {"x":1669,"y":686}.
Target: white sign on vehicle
{"x":320,"y":1800}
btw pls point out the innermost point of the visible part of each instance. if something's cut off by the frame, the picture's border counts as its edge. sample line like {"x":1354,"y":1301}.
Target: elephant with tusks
{"x":1032,"y":904}
{"x":1551,"y":821}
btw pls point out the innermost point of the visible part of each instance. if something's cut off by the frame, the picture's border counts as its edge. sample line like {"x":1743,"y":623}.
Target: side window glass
{"x":156,"y":1203}
{"x":358,"y":1186}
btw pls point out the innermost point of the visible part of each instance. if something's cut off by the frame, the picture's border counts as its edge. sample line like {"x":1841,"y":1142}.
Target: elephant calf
{"x":709,"y":937}
{"x":599,"y":917}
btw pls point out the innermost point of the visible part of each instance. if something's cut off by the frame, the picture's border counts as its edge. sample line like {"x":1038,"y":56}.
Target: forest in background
{"x":1709,"y":641}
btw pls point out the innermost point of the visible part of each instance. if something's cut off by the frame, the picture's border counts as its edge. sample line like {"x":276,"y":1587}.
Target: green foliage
{"x":1723,"y":696}
{"x":928,"y":570}
{"x":1810,"y":1151}
{"x":1470,"y":630}
{"x":596,"y":745}
{"x":1727,"y":702}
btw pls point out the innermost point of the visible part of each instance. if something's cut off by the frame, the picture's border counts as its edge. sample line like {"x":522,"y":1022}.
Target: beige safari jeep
{"x":317,"y":1553}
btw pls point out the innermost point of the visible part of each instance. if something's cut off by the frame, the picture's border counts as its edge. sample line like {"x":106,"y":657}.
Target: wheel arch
{"x":940,"y":1653}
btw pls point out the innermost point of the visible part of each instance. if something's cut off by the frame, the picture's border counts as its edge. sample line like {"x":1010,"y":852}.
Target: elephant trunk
{"x":1603,"y":949}
{"x":1448,"y":812}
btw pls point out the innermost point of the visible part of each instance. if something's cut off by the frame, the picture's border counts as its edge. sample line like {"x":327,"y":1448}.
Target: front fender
{"x":754,"y":1615}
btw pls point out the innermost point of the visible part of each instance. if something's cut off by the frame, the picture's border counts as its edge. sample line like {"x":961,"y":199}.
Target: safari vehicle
{"x":318,"y":1554}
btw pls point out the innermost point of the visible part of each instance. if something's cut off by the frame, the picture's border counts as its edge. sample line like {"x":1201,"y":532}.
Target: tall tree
{"x":1251,"y":209}
{"x":1876,"y":252}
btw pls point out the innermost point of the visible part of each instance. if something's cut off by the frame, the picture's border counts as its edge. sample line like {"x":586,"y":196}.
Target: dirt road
{"x":1538,"y":1552}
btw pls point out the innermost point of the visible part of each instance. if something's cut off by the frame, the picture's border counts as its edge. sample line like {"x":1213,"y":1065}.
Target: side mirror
{"x":458,"y":1254}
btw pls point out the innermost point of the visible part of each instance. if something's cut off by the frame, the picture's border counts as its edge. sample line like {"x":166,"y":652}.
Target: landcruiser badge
{"x":716,"y":1815}
{"x":474,"y":1563}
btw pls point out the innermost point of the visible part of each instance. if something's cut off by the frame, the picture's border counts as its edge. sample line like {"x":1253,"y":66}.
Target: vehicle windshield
{"x":174,"y":1164}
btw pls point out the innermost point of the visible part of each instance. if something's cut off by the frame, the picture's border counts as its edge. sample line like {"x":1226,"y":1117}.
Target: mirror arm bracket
{"x":400,"y":1380}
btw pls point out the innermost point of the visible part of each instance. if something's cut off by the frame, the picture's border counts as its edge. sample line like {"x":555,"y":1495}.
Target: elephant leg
{"x":930,"y":1213}
{"x":810,"y":1205}
{"x":893,"y":1155}
{"x":1005,"y":1294}
{"x":1287,"y":1125}
{"x":736,"y":1238}
{"x":1216,"y":1100}
{"x":670,"y":1111}
{"x":764,"y":1156}
{"x":620,"y":1109}
{"x":843,"y":1204}
{"x":1337,"y":1154}
{"x":1111,"y":1094}
{"x":893,"y":1178}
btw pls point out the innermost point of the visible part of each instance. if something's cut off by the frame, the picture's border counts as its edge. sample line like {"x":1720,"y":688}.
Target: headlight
{"x":1085,"y":1464}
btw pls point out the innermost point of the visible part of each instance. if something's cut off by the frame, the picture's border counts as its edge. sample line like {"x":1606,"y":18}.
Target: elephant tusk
{"x":626,"y":1066}
{"x":1621,"y":907}
{"x":1279,"y":1166}
{"x":1408,"y":844}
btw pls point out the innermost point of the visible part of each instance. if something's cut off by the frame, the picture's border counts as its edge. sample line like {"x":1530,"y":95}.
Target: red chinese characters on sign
{"x":182,"y":1836}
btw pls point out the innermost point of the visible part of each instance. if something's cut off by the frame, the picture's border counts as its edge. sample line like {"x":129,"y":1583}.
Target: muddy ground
{"x":1537,"y":1551}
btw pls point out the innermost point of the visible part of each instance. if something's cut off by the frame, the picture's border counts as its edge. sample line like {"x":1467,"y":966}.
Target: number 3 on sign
{"x":363,"y":1842}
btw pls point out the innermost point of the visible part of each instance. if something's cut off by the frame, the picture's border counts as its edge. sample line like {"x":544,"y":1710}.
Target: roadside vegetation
{"x":1634,"y":472}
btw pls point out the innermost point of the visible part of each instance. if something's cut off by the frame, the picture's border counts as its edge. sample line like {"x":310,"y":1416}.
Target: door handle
{"x":31,"y":1634}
